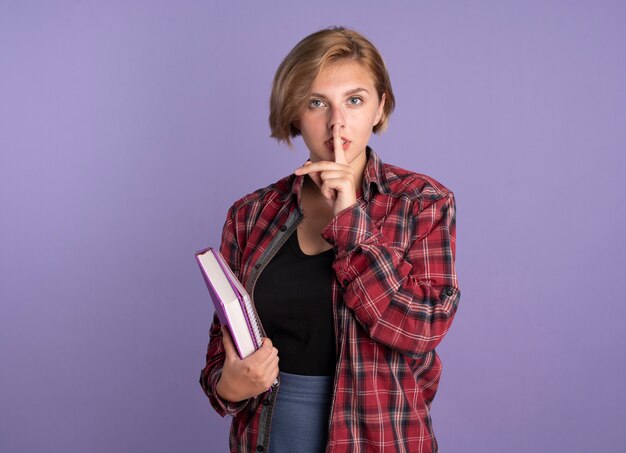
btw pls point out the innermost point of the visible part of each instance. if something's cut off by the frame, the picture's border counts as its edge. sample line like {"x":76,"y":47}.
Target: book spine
{"x":250,"y":315}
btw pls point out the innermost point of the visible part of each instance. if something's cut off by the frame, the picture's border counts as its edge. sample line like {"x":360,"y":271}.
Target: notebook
{"x":231,"y":301}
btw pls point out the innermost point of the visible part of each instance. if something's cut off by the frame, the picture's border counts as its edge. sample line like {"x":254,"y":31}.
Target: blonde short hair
{"x":295,"y":75}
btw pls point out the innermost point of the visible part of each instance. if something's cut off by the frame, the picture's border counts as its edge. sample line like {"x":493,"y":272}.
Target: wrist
{"x":223,"y":391}
{"x":341,"y":205}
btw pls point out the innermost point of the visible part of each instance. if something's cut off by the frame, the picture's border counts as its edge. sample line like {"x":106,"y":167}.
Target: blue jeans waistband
{"x":299,"y":384}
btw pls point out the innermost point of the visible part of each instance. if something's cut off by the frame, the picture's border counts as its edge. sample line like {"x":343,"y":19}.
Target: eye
{"x":355,"y":100}
{"x":316,"y":103}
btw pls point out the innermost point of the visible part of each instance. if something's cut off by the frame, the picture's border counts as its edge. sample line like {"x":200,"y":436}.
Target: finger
{"x":272,"y":367}
{"x":266,"y":350}
{"x":328,"y":192}
{"x":312,"y":174}
{"x":304,"y":165}
{"x":229,"y":346}
{"x":317,"y":179}
{"x":270,"y":359}
{"x":340,"y":154}
{"x":322,"y":165}
{"x":270,"y":376}
{"x":341,"y":183}
{"x":340,"y":175}
{"x":273,"y":372}
{"x":266,"y":343}
{"x":333,"y":187}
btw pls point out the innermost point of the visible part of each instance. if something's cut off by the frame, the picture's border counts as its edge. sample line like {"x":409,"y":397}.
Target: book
{"x":232,"y":302}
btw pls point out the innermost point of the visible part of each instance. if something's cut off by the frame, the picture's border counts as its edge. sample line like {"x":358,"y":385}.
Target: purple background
{"x":128,"y":128}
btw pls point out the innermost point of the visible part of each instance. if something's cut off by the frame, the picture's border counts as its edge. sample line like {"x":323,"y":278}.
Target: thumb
{"x":229,"y":346}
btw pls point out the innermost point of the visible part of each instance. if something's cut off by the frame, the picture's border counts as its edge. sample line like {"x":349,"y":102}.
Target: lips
{"x":344,"y":141}
{"x":330,"y":145}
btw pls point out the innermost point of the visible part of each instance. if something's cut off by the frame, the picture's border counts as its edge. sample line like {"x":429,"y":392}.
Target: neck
{"x":358,"y":165}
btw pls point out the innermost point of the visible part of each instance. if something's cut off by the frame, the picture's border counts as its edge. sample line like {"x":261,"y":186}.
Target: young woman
{"x":350,"y":262}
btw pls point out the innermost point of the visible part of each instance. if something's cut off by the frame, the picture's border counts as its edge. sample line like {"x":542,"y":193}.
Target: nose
{"x":336,"y":117}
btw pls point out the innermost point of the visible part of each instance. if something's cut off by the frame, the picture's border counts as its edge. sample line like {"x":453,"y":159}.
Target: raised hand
{"x":249,"y":377}
{"x":336,"y":180}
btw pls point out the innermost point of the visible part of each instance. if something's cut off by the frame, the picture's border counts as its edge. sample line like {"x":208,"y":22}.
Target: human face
{"x":343,"y":93}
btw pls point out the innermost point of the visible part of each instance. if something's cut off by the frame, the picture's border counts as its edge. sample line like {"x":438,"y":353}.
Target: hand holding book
{"x":249,"y":377}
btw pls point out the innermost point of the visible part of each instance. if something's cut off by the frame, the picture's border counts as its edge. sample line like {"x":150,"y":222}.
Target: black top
{"x":293,"y":297}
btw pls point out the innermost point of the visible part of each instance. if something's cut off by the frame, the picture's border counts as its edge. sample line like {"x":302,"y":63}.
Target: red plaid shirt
{"x":394,"y":298}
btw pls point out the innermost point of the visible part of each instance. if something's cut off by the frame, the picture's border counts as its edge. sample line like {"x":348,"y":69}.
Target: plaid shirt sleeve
{"x":403,"y":298}
{"x":212,"y":372}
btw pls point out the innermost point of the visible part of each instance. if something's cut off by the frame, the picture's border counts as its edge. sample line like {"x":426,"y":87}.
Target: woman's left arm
{"x":405,"y":299}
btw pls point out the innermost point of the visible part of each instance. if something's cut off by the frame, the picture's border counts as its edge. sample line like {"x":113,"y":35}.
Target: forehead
{"x":343,"y":76}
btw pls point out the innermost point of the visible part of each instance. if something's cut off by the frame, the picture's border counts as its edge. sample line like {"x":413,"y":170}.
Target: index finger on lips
{"x":340,"y":154}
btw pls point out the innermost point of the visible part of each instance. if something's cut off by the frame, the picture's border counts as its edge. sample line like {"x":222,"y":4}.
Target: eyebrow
{"x":347,"y":93}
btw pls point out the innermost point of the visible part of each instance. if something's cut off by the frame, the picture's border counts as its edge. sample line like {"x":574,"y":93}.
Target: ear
{"x":296,"y":124}
{"x":379,"y":110}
